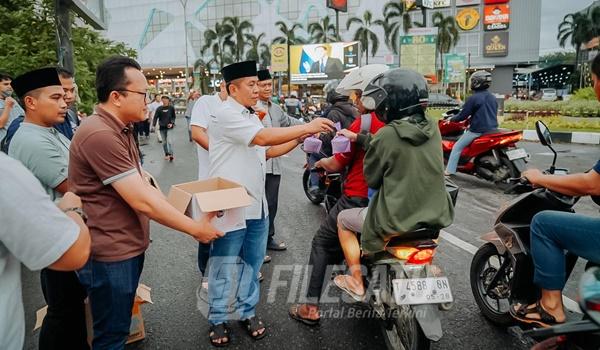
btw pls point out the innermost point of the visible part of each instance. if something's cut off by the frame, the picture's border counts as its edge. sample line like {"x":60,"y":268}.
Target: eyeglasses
{"x":146,"y":95}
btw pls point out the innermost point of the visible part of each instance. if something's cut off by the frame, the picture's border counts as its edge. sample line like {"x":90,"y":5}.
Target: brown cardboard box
{"x":225,"y":197}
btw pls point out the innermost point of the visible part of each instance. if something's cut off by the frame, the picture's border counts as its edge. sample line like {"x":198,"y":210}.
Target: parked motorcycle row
{"x":408,"y":291}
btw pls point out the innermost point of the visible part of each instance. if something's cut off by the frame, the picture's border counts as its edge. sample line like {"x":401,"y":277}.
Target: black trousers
{"x":326,"y":249}
{"x":64,"y":325}
{"x":272,"y":193}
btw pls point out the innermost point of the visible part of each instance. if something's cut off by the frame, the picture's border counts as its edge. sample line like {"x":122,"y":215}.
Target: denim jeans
{"x":111,"y":288}
{"x":464,"y":141}
{"x":314,"y":176}
{"x":553,"y":233}
{"x":164,"y":133}
{"x":235,"y":260}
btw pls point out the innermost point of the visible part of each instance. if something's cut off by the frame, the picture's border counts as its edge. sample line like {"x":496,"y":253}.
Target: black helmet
{"x":396,"y":94}
{"x":331,"y":95}
{"x":481,"y":80}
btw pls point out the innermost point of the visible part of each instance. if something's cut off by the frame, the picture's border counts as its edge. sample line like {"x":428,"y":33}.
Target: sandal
{"x":546,"y":319}
{"x":295,"y":314}
{"x":253,"y":325}
{"x":219,"y":332}
{"x":277,"y":246}
{"x":340,"y":282}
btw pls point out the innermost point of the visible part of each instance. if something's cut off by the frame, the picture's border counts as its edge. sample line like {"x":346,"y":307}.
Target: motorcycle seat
{"x":451,"y":137}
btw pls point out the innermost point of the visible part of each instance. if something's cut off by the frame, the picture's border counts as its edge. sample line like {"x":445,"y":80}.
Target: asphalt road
{"x":174,"y":322}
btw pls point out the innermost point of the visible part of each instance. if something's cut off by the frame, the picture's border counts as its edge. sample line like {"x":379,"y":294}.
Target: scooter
{"x":330,"y":187}
{"x":501,"y":272}
{"x":493,"y":156}
{"x":406,"y":290}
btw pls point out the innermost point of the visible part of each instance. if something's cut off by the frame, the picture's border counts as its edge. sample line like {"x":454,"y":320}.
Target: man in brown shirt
{"x":105,"y":171}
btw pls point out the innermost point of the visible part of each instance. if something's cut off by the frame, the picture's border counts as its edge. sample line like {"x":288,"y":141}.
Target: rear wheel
{"x":490,"y":276}
{"x":313,"y":197}
{"x":404,"y":331}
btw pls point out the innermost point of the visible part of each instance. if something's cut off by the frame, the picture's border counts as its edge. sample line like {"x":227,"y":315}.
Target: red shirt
{"x":355,"y":184}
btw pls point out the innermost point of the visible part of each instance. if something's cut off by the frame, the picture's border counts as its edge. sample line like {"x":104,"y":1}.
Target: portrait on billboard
{"x":323,"y":61}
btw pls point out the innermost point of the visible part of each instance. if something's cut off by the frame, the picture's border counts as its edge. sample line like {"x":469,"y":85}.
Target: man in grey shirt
{"x":55,"y":239}
{"x":45,"y":152}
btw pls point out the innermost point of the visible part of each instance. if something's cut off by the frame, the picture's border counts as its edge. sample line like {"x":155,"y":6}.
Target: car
{"x":442,"y":100}
{"x":549,"y":95}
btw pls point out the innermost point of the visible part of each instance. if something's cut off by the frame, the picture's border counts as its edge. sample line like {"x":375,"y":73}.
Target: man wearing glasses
{"x":105,"y":171}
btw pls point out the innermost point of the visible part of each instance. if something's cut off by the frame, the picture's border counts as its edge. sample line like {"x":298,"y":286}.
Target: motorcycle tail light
{"x":421,"y":257}
{"x":593,"y":304}
{"x":513,"y":139}
{"x":402,"y":253}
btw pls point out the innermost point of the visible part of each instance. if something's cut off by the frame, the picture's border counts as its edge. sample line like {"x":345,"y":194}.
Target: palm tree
{"x":289,"y":37}
{"x":322,"y":31}
{"x":237,"y":36}
{"x":364,"y":34}
{"x":579,"y":28}
{"x":218,"y":41}
{"x":259,"y":52}
{"x":396,"y":18}
{"x":447,"y":34}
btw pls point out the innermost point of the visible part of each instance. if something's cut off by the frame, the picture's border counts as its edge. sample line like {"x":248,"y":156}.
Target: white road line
{"x":569,"y":303}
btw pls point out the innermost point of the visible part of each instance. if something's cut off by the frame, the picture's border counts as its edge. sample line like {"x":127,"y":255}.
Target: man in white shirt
{"x":152,"y":107}
{"x":204,"y":108}
{"x":238,"y":152}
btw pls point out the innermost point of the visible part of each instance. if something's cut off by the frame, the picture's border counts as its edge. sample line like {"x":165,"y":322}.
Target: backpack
{"x":10,"y":132}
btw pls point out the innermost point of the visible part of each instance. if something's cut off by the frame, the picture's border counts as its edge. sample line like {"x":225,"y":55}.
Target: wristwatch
{"x":78,"y":211}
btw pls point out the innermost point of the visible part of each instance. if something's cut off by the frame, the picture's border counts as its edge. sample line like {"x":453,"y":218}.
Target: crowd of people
{"x":83,"y":181}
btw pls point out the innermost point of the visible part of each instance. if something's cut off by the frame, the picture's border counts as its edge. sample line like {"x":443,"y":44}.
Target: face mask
{"x":7,"y":93}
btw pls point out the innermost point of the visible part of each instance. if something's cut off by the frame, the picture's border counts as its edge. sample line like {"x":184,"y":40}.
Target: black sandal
{"x":546,"y":319}
{"x":254,"y":324}
{"x":218,"y":332}
{"x":295,"y":314}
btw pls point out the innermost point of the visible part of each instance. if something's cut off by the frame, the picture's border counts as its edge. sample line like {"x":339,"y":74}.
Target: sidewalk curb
{"x":588,"y":138}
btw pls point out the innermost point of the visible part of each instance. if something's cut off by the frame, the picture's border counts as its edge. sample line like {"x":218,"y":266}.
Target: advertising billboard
{"x":319,"y":62}
{"x":495,"y":44}
{"x":496,"y":17}
{"x":417,"y":50}
{"x":338,"y":5}
{"x":454,"y":68}
{"x":467,"y":18}
{"x":279,"y":58}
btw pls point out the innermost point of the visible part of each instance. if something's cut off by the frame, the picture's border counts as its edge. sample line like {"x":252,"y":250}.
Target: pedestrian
{"x":237,"y":144}
{"x":165,"y":116}
{"x":71,"y":122}
{"x":56,"y":240}
{"x":151,"y":110}
{"x":205,"y":107}
{"x":9,"y":107}
{"x":274,"y":116}
{"x":105,"y":170}
{"x":192,"y":98}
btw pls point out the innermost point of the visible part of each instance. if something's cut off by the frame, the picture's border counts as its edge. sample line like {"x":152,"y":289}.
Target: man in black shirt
{"x":165,"y":115}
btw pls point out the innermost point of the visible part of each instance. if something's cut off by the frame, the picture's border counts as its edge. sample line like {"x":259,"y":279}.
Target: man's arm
{"x":78,"y":253}
{"x":330,"y":164}
{"x":373,"y":167}
{"x":279,"y":150}
{"x":173,"y":116}
{"x":572,"y":185}
{"x":467,"y":110}
{"x":200,"y":135}
{"x":278,"y":136}
{"x":155,"y":119}
{"x":4,"y":116}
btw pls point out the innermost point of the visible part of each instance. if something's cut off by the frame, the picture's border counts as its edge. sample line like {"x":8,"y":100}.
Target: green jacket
{"x":404,"y":162}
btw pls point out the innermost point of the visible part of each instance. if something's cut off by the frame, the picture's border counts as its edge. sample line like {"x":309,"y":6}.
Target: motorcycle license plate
{"x":414,"y":291}
{"x":517,"y":153}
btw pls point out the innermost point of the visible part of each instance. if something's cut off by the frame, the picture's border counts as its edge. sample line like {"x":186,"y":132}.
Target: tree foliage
{"x":364,"y":33}
{"x":29,"y":42}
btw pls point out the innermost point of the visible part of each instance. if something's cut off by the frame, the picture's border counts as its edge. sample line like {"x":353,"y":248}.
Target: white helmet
{"x":358,"y":79}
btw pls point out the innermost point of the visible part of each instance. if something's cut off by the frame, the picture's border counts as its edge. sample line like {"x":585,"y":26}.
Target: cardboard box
{"x":227,"y":198}
{"x":137,"y":330}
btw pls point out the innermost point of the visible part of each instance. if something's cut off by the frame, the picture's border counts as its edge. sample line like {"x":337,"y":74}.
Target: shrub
{"x":586,"y":94}
{"x":573,"y":108}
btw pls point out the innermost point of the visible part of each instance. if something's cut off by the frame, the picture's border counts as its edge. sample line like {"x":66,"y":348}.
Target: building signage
{"x":467,"y":2}
{"x":279,"y":57}
{"x":467,"y":18}
{"x":418,"y":50}
{"x":496,"y":17}
{"x":441,"y":3}
{"x":454,"y":68}
{"x":338,"y":5}
{"x":495,"y":44}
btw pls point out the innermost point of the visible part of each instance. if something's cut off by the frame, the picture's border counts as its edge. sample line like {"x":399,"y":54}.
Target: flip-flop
{"x":546,"y":320}
{"x":340,"y":282}
{"x":294,"y":313}
{"x":277,"y":246}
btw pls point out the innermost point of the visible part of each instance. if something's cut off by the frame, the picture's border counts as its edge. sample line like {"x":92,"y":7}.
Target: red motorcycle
{"x":493,"y":156}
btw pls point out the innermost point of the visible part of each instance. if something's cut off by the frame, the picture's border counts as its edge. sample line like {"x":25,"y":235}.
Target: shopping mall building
{"x":498,"y":35}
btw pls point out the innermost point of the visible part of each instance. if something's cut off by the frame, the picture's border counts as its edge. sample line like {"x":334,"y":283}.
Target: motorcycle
{"x":493,"y":156}
{"x":406,"y":290}
{"x":501,"y":272}
{"x":330,"y":187}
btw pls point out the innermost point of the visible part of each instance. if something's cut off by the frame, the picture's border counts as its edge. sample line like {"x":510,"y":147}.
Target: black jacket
{"x":343,"y":112}
{"x":165,"y":115}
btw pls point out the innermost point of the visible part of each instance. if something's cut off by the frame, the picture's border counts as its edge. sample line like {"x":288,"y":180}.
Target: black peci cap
{"x":263,"y":75}
{"x":35,"y":79}
{"x":239,"y":70}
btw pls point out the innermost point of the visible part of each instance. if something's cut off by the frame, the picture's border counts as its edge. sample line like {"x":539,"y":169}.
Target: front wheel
{"x":403,"y":331}
{"x":315,"y":198}
{"x":490,"y":276}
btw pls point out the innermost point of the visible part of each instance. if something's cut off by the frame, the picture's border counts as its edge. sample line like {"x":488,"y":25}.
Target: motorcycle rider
{"x":554,"y":232}
{"x":341,"y":111}
{"x":482,"y":108}
{"x":404,"y":164}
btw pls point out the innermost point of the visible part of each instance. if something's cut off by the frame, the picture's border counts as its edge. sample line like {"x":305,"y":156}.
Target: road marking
{"x":569,"y":303}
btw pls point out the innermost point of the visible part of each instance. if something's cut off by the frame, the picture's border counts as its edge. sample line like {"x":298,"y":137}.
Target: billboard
{"x":496,"y":17}
{"x":338,"y":5}
{"x":279,"y":58}
{"x":467,"y":18}
{"x":418,"y":49}
{"x":495,"y":44}
{"x":319,"y":62}
{"x":454,"y":68}
{"x":467,"y":2}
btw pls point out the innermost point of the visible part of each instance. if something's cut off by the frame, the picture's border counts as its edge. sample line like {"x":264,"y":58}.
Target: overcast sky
{"x":553,"y":12}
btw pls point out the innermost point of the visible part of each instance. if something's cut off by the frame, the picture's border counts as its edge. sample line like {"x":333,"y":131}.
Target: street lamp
{"x":184,"y":4}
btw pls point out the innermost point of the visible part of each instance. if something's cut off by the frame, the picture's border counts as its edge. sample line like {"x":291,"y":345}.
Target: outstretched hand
{"x":349,"y":134}
{"x":206,"y":232}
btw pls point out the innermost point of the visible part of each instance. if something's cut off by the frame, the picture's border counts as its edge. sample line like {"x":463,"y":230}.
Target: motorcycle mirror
{"x":589,"y":293}
{"x":543,"y":133}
